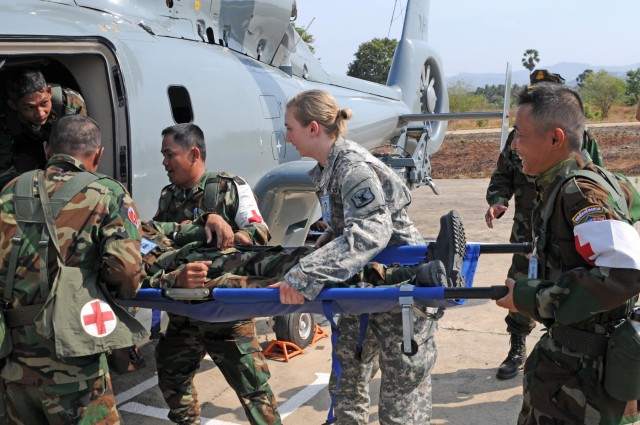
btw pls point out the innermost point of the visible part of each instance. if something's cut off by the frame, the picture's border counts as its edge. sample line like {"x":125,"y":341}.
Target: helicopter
{"x":228,"y":66}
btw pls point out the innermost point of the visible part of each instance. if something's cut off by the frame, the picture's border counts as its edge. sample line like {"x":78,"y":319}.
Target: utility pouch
{"x":83,"y":319}
{"x":6,"y":346}
{"x":622,"y":363}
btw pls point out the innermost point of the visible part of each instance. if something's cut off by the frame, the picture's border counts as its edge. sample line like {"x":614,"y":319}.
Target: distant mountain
{"x":568,"y":70}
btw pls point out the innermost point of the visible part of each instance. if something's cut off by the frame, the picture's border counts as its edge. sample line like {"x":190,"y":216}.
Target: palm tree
{"x":530,"y":59}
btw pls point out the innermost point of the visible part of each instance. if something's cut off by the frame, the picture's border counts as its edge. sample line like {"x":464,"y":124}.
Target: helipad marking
{"x":304,"y":395}
{"x":286,"y":409}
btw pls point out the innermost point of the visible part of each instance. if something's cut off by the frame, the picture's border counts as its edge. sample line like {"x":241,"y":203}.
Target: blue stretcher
{"x":234,"y":304}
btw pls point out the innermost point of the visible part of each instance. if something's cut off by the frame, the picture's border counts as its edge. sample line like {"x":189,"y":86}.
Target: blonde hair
{"x":321,"y":107}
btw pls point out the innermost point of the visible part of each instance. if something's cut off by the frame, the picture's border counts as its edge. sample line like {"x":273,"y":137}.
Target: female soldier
{"x":365,"y":204}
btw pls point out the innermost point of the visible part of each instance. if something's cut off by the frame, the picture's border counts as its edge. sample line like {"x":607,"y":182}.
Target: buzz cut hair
{"x":75,"y":135}
{"x":187,"y":136}
{"x":556,"y":106}
{"x":22,"y":81}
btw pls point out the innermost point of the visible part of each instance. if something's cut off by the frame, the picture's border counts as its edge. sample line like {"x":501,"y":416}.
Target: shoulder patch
{"x":133,"y":218}
{"x":590,"y":213}
{"x":362,"y":197}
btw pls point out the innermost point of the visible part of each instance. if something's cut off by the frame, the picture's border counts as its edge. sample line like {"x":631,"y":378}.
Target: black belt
{"x":581,"y":341}
{"x":22,"y":316}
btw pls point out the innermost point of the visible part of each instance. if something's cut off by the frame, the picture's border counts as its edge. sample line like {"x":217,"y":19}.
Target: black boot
{"x":515,"y":359}
{"x":430,"y":274}
{"x":450,"y":247}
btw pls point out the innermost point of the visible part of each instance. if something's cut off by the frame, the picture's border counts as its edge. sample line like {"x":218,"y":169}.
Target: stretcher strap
{"x":364,"y":324}
{"x":335,"y":363}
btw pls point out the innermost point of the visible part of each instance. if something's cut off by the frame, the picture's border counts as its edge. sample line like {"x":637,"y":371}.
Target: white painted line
{"x":287,"y":408}
{"x":135,"y":391}
{"x":304,"y":395}
{"x":158,"y":413}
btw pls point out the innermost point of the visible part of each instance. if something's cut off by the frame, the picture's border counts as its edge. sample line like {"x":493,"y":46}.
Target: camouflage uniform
{"x":367,"y":207}
{"x":21,"y":145}
{"x":561,"y":385}
{"x":40,"y":387}
{"x":232,"y":345}
{"x":242,"y":266}
{"x":508,"y":180}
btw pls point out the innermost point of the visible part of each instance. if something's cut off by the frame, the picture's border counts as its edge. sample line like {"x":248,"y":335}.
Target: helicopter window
{"x":180,"y":101}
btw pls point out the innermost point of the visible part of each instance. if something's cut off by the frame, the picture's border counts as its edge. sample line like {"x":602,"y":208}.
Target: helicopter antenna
{"x":393,"y":17}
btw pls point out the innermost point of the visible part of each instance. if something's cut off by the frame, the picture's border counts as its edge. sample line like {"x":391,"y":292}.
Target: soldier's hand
{"x":216,"y":225}
{"x":324,"y":239}
{"x":507,"y":300}
{"x":242,"y":238}
{"x":193,"y":275}
{"x":495,"y":211}
{"x":288,"y":295}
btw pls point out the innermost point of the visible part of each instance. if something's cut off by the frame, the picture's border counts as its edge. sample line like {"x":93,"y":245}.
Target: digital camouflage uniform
{"x":563,"y":386}
{"x":232,"y":345}
{"x":367,"y":205}
{"x":508,"y":180}
{"x":21,"y":145}
{"x":96,"y":227}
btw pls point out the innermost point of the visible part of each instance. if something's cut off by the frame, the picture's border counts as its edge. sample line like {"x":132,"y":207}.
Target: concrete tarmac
{"x":472,"y":341}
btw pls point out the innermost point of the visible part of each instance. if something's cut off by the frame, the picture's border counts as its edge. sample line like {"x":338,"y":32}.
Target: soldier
{"x":584,"y":369}
{"x":98,"y":225}
{"x":25,"y":122}
{"x":508,"y":180}
{"x":166,"y":264}
{"x":226,"y":206}
{"x":364,"y":202}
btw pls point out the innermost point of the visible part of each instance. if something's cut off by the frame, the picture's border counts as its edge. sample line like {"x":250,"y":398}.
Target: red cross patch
{"x":97,"y":318}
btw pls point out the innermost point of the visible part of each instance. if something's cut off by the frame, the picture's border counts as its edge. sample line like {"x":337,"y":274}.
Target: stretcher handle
{"x":505,"y":248}
{"x":492,"y":293}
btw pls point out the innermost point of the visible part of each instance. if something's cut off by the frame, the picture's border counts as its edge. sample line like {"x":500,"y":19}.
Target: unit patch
{"x":97,"y":318}
{"x":590,"y":213}
{"x":131,"y":214}
{"x":362,"y":197}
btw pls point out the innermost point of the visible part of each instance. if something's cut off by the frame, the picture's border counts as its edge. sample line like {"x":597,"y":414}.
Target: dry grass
{"x":616,"y":114}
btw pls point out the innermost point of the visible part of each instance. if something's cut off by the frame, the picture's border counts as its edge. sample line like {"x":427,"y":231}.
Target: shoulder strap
{"x":57,"y":99}
{"x":43,"y":210}
{"x":211,"y":188}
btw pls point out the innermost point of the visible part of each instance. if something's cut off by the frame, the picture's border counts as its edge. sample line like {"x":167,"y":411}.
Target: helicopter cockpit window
{"x":180,"y":101}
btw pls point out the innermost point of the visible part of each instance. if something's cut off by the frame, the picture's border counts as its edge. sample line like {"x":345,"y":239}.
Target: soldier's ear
{"x":12,"y":104}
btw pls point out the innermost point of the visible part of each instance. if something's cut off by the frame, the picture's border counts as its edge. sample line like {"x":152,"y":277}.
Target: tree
{"x":602,"y":89}
{"x":373,"y":60}
{"x":530,"y":59}
{"x":633,"y":87}
{"x":306,"y":37}
{"x":462,"y":98}
{"x":580,"y":79}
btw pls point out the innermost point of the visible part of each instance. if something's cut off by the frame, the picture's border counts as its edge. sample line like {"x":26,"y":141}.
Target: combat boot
{"x":515,"y":359}
{"x":430,"y":274}
{"x":450,"y":247}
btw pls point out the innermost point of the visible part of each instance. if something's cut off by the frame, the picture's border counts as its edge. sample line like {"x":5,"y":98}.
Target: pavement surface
{"x":472,"y":342}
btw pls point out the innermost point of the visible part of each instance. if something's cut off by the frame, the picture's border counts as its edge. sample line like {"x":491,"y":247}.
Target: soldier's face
{"x":179,"y":163}
{"x":297,"y":134}
{"x":34,"y":108}
{"x":531,"y":144}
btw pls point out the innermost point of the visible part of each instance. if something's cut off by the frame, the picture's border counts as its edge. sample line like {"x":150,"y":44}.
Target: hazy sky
{"x":482,"y":36}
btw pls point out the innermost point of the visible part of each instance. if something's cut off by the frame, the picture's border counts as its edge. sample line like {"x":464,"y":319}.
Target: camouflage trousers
{"x":234,"y":349}
{"x":405,"y":388}
{"x":565,"y":388}
{"x":84,"y":403}
{"x":519,"y":324}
